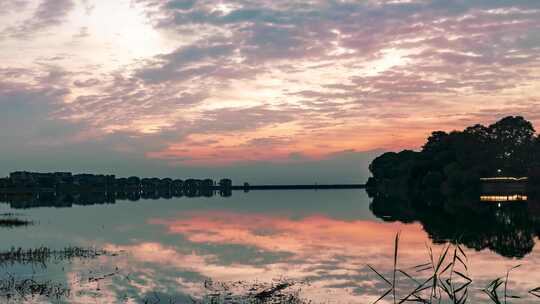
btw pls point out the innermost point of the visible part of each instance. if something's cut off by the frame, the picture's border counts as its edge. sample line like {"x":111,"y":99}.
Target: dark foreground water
{"x":325,"y":238}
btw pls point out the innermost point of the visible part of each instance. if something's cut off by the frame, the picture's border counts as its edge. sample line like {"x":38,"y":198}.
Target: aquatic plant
{"x":41,"y":255}
{"x":17,"y":290}
{"x":447,"y":279}
{"x":14,"y":222}
{"x":11,"y":220}
{"x":10,"y":214}
{"x":280,"y":291}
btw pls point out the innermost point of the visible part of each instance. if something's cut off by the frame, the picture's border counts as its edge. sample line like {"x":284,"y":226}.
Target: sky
{"x":264,"y":91}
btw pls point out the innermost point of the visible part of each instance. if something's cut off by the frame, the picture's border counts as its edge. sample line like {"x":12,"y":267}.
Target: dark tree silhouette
{"x":439,"y":186}
{"x":512,"y":142}
{"x":452,"y":163}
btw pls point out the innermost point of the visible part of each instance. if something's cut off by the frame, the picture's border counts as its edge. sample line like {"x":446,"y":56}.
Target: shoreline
{"x":299,"y":187}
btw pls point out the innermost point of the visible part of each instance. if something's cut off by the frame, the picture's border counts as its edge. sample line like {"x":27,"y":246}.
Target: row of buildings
{"x":65,"y":199}
{"x":25,"y":182}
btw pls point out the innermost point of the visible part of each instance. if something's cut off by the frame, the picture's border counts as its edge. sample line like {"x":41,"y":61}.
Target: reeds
{"x":10,"y":220}
{"x":447,"y":280}
{"x":14,"y":222}
{"x":17,"y":289}
{"x":42,"y":255}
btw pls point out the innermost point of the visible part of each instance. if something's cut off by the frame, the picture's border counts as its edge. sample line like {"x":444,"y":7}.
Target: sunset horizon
{"x":269,"y":151}
{"x":184,"y":84}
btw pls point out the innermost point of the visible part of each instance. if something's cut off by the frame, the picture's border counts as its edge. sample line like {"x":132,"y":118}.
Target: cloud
{"x":181,"y":4}
{"x":10,"y":7}
{"x":49,"y":13}
{"x":83,"y":33}
{"x":187,"y":63}
{"x":87,"y":83}
{"x":264,"y":80}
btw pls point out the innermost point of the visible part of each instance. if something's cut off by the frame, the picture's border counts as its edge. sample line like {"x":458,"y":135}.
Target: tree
{"x":436,"y":142}
{"x":456,"y":160}
{"x":512,"y":131}
{"x":512,"y":138}
{"x":479,"y":132}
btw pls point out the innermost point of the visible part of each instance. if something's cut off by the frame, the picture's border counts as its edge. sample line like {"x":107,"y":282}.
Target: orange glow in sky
{"x":205,"y":82}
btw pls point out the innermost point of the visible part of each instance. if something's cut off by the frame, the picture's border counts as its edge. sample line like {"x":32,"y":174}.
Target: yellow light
{"x":506,"y":178}
{"x":503,"y":198}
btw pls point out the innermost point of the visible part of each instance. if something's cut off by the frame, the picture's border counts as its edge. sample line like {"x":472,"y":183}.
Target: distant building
{"x":177,"y":184}
{"x":65,"y":177}
{"x":207,"y":183}
{"x":20,"y":177}
{"x":93,"y":181}
{"x":38,"y":180}
{"x":154,"y":182}
{"x":192,"y":183}
{"x":120,"y":183}
{"x":504,"y":184}
{"x":225,"y":183}
{"x":64,"y":185}
{"x":150,"y":185}
{"x":192,"y":187}
{"x":133,"y":182}
{"x":225,"y":186}
{"x":146,"y":183}
{"x":4,"y":182}
{"x":165,"y":183}
{"x":503,"y":189}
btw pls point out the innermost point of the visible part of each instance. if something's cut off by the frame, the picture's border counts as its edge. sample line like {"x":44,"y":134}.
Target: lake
{"x":168,"y":248}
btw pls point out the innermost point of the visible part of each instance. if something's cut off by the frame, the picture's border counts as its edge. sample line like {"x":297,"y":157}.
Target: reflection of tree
{"x":508,"y":230}
{"x":434,"y":186}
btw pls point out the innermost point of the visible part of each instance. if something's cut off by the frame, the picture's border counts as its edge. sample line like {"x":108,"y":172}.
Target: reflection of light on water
{"x":503,"y":198}
{"x":504,"y":179}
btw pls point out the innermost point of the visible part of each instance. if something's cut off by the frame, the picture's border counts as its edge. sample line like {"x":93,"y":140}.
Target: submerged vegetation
{"x":20,"y":289}
{"x":14,"y":222}
{"x":281,"y":291}
{"x":42,"y":255}
{"x":10,"y":220}
{"x":445,"y":279}
{"x":17,"y":290}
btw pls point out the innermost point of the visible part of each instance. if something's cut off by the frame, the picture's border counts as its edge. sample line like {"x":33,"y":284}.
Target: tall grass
{"x":14,"y":222}
{"x":447,"y":280}
{"x":10,"y":220}
{"x":42,"y":255}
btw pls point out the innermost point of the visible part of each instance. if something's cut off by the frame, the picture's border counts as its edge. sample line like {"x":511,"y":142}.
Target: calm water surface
{"x":323,"y":237}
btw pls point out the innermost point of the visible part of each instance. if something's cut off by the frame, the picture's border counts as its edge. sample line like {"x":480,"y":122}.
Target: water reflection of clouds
{"x":328,"y":252}
{"x":331,"y":253}
{"x":187,"y":247}
{"x":282,"y":234}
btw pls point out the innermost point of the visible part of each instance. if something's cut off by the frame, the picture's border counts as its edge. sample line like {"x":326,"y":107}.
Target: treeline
{"x":451,"y":164}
